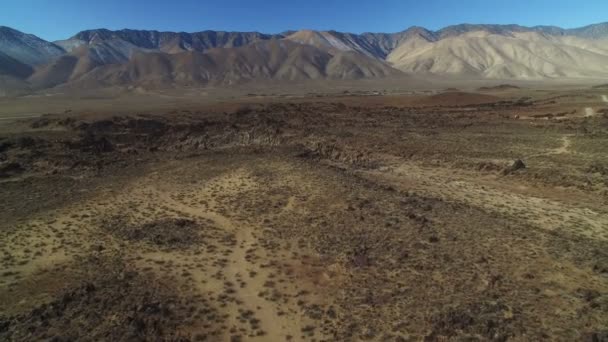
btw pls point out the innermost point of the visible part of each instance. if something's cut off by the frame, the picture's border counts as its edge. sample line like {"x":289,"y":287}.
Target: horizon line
{"x":310,"y":29}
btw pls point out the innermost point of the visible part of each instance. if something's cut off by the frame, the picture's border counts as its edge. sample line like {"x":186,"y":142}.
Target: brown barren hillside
{"x":274,"y":60}
{"x":518,"y":55}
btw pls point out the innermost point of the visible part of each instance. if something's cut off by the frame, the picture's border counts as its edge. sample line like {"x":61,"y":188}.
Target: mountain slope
{"x":517,"y":55}
{"x":169,"y":42}
{"x":333,"y":41}
{"x":12,"y":67}
{"x":385,"y":43}
{"x":26,"y":48}
{"x":380,"y":45}
{"x":376,"y":45}
{"x":595,"y":31}
{"x":82,"y":60}
{"x":272,"y":60}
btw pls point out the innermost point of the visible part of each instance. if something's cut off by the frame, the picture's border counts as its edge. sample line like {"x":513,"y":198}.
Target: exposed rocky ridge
{"x":377,"y":45}
{"x":12,"y":67}
{"x":170,"y":42}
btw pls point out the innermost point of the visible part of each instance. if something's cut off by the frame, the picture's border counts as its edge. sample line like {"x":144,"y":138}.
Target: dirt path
{"x":240,"y":275}
{"x":276,"y":321}
{"x":590,"y":112}
{"x":563,"y":149}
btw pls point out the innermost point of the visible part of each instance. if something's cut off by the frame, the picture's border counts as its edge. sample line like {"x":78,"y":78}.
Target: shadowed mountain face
{"x":26,"y":48}
{"x":170,"y":42}
{"x":128,"y":57}
{"x":12,"y":67}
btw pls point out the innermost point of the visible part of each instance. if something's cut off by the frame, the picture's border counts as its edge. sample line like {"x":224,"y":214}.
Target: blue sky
{"x":59,"y":19}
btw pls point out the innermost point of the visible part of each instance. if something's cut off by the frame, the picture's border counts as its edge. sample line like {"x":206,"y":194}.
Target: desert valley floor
{"x":478,"y":215}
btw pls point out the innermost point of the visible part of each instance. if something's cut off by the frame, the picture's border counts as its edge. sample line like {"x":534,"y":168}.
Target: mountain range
{"x":100,"y":58}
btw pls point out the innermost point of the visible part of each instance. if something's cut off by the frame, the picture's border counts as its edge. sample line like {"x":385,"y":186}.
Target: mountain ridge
{"x":27,"y":48}
{"x":472,"y":50}
{"x":597,"y":31}
{"x":272,"y":60}
{"x":167,"y":41}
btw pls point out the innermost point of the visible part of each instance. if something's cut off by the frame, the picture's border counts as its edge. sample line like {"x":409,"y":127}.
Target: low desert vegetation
{"x":446,"y":217}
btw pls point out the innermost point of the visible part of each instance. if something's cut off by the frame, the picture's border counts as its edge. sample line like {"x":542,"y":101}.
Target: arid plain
{"x":344,"y":215}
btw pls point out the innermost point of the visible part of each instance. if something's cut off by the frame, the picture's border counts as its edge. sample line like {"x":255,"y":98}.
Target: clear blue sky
{"x":59,"y":19}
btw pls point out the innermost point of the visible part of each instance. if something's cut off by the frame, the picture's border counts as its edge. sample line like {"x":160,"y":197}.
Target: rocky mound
{"x":165,"y":233}
{"x":110,"y":300}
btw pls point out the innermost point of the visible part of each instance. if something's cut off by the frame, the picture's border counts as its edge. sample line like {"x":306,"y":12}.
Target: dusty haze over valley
{"x":423,"y":185}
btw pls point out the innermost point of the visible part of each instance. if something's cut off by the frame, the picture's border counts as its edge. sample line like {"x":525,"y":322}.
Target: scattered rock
{"x":600,"y":336}
{"x":10,"y":169}
{"x":517,"y":165}
{"x":112,"y":302}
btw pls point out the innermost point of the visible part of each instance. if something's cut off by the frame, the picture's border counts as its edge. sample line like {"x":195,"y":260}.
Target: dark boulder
{"x":517,"y":165}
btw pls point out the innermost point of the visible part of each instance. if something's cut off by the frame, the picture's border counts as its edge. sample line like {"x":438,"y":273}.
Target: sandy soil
{"x":346,"y":217}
